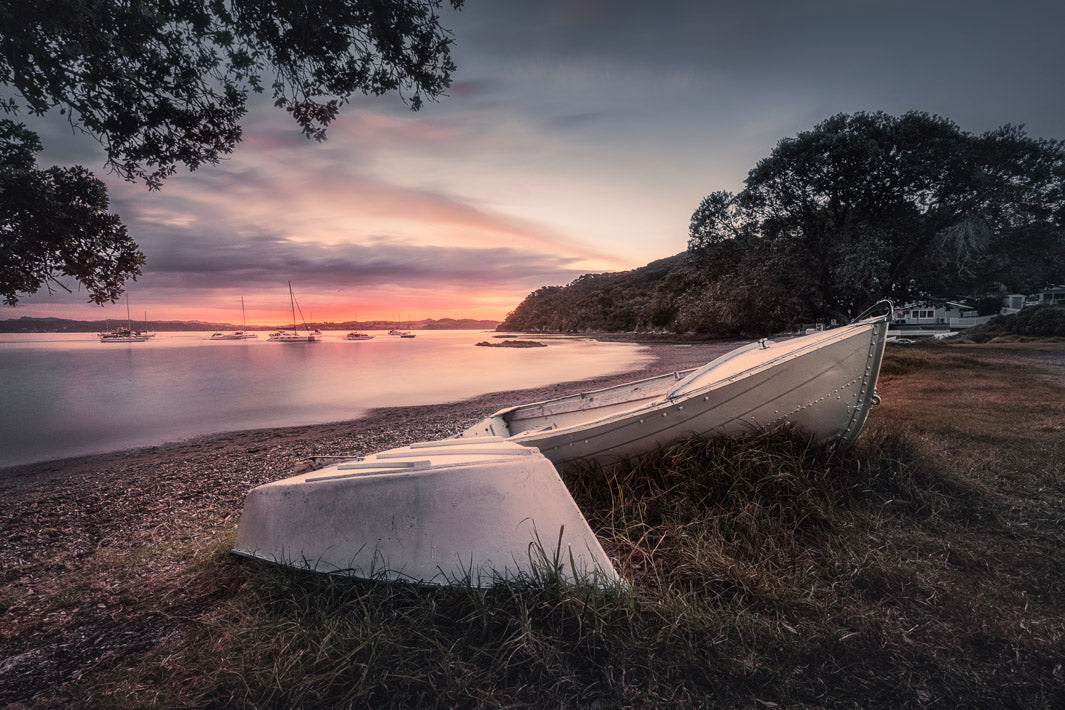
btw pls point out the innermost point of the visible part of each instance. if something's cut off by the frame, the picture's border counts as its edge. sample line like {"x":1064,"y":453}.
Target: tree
{"x":55,"y":221}
{"x":870,"y":205}
{"x":163,"y":83}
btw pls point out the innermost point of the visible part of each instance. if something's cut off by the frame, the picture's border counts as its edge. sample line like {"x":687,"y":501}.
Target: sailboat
{"x":284,"y":336}
{"x":240,"y":334}
{"x":124,"y":335}
{"x":145,"y":333}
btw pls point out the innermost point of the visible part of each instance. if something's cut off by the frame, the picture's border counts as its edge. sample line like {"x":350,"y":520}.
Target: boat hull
{"x":452,"y":512}
{"x":822,"y":383}
{"x":288,"y":338}
{"x":234,"y":336}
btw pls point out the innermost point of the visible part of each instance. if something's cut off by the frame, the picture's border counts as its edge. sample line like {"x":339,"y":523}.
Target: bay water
{"x":69,"y":394}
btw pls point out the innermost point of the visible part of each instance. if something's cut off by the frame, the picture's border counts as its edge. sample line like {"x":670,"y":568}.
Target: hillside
{"x":643,"y":299}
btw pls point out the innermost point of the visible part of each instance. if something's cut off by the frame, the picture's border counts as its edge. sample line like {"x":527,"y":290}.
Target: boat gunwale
{"x":661,"y":404}
{"x":587,"y":396}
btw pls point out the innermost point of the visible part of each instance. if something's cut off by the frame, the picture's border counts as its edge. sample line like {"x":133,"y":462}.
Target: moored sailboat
{"x":285,"y":336}
{"x":240,"y":334}
{"x":127,"y":334}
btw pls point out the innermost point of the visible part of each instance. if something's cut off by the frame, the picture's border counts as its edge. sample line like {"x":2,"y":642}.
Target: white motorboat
{"x":240,"y":334}
{"x":442,"y":512}
{"x":824,"y":383}
{"x":356,"y":335}
{"x":293,"y":336}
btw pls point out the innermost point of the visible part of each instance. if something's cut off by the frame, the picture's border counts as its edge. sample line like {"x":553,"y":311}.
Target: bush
{"x":1034,"y":321}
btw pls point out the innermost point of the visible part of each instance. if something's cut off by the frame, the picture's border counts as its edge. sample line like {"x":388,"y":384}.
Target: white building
{"x":1048,"y":296}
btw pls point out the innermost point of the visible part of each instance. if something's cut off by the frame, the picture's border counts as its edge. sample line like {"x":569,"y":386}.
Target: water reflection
{"x":70,"y":394}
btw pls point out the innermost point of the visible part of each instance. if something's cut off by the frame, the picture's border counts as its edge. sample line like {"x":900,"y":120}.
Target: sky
{"x":578,"y":136}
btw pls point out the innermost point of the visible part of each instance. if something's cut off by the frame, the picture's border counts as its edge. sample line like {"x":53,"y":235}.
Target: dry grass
{"x":924,"y":567}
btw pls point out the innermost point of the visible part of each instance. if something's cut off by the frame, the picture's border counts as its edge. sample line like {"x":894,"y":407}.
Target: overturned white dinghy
{"x":444,"y":512}
{"x":824,"y":383}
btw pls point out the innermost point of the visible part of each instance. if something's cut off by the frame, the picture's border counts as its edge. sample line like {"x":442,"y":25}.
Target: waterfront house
{"x":1054,"y":295}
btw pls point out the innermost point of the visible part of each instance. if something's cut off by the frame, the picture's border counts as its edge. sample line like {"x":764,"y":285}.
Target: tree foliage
{"x":1043,"y":321}
{"x":55,"y":222}
{"x":861,"y":207}
{"x":624,"y":301}
{"x":870,"y":205}
{"x":166,"y":82}
{"x":163,"y":83}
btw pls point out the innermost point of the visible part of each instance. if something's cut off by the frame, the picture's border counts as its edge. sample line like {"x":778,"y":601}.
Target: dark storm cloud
{"x":260,"y":261}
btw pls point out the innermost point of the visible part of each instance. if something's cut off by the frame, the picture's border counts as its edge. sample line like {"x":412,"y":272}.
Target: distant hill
{"x":649,"y":298}
{"x":63,"y":325}
{"x":458,"y":324}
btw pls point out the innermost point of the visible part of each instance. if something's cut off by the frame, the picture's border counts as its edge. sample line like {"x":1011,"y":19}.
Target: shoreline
{"x":668,"y":357}
{"x":94,"y":496}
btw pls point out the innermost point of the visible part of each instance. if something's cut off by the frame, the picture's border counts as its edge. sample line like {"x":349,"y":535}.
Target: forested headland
{"x":862,"y":207}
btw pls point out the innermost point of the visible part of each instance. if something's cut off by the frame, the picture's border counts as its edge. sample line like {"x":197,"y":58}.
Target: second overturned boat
{"x":440,"y":512}
{"x":824,"y":383}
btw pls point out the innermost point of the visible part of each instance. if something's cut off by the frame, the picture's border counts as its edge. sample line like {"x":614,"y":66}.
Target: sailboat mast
{"x":243,"y":316}
{"x":129,"y":323}
{"x":292,"y":301}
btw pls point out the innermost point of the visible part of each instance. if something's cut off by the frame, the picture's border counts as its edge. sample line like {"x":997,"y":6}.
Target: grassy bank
{"x":923,"y":567}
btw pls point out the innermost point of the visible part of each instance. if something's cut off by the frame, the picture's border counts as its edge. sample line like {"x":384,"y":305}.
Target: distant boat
{"x":285,"y":336}
{"x":125,"y":335}
{"x":356,"y":335}
{"x":145,"y":333}
{"x":240,"y":334}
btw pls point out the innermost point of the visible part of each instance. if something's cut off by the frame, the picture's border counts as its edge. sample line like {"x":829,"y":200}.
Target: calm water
{"x":65,"y":395}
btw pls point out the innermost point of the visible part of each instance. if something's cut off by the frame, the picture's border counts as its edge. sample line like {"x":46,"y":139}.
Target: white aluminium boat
{"x":440,"y":512}
{"x":824,"y":383}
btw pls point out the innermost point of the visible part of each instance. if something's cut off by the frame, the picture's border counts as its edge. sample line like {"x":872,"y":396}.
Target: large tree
{"x":55,"y":222}
{"x":163,"y":83}
{"x":870,"y":205}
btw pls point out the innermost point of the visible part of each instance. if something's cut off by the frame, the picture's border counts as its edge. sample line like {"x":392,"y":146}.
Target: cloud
{"x":270,"y":259}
